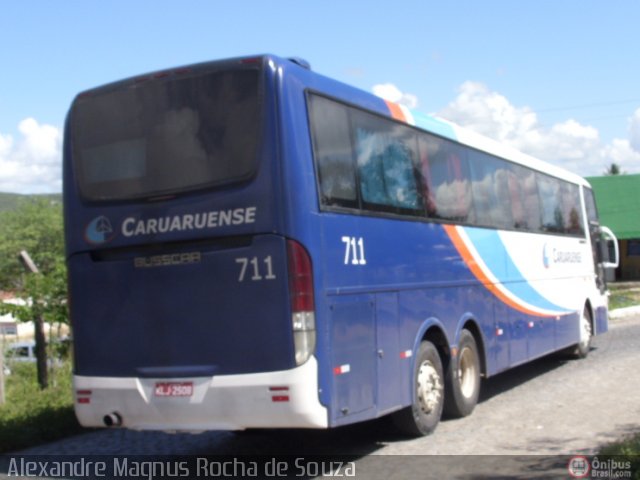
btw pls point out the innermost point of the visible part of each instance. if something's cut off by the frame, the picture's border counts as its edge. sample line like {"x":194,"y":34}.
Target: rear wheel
{"x":463,"y":378}
{"x":422,"y":417}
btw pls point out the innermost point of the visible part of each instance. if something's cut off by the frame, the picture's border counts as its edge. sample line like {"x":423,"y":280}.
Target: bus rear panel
{"x":190,"y":310}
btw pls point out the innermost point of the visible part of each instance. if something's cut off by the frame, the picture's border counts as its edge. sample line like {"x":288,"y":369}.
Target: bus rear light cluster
{"x":83,"y":396}
{"x":279,"y":394}
{"x":303,"y":319}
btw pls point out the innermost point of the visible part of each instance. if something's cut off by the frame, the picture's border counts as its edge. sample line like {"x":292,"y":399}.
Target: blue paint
{"x":494,"y":253}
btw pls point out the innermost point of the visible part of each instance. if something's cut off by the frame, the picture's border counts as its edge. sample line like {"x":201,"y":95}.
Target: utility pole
{"x":41,"y":342}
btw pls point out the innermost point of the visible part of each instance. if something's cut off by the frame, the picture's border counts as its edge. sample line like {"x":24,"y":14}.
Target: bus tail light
{"x":302,"y":303}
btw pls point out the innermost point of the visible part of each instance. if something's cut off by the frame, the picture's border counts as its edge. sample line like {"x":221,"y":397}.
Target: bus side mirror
{"x":611,"y":242}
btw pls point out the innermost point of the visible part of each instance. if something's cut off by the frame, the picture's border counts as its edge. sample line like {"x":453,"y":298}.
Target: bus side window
{"x":448,"y":179}
{"x":574,"y":224}
{"x":490,"y":191}
{"x":387,"y":164}
{"x":425,"y":177}
{"x":515,"y":193}
{"x":531,"y":201}
{"x":333,"y":154}
{"x":552,"y":214}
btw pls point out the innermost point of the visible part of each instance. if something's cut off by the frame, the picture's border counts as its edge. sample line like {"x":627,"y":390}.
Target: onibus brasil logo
{"x":99,"y":231}
{"x":582,"y":467}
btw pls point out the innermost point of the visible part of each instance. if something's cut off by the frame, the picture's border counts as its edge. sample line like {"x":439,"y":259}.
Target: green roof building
{"x":618,"y":199}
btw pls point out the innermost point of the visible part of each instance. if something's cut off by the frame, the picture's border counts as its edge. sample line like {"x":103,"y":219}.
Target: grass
{"x":625,"y":451}
{"x":31,"y":416}
{"x":623,"y":295}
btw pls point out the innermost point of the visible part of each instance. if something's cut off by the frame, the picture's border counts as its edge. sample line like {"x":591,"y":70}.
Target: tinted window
{"x":373,"y":163}
{"x":525,"y":202}
{"x":167,"y":135}
{"x":552,"y":215}
{"x":446,"y":176}
{"x":333,"y":152}
{"x":21,"y":352}
{"x":490,"y":189}
{"x":571,"y":209}
{"x":387,"y":164}
{"x":590,"y":205}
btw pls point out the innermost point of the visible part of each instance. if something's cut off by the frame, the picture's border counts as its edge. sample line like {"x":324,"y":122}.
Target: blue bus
{"x":253,"y":245}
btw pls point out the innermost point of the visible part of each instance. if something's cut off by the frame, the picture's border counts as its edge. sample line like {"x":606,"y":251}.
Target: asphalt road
{"x":528,"y":422}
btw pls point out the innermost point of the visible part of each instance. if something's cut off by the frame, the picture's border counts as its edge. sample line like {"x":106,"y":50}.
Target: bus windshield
{"x":166,"y":136}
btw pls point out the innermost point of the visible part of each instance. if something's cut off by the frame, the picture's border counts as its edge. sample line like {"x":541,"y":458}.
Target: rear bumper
{"x":284,"y":399}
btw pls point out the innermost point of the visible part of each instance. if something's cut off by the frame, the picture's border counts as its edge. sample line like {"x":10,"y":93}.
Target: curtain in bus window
{"x":448,"y":179}
{"x":387,"y":166}
{"x":332,"y":142}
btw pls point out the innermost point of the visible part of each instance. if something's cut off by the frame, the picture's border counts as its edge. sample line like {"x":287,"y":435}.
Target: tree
{"x":35,"y":226}
{"x":614,"y":169}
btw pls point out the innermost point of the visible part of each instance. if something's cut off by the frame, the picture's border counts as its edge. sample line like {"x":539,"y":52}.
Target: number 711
{"x":354,"y":251}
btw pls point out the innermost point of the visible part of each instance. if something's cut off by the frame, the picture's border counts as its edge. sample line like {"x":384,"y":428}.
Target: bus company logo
{"x":99,"y":231}
{"x":579,"y":466}
{"x":555,"y":256}
{"x":546,"y":259}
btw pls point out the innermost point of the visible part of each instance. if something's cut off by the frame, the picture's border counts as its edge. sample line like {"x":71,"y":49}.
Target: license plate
{"x":174,"y":389}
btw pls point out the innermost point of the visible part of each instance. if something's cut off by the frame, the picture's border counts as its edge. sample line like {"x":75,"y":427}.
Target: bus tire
{"x":582,"y":348}
{"x":463,"y":378}
{"x":422,"y":417}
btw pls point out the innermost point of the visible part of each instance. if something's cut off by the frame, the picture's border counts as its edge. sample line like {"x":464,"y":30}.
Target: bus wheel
{"x":422,"y":417}
{"x":582,"y":348}
{"x":463,"y":378}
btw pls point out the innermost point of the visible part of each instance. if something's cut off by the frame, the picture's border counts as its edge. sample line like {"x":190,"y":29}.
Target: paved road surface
{"x":550,"y":407}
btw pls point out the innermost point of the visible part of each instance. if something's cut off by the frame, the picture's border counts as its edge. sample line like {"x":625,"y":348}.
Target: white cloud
{"x":620,"y":152}
{"x":31,"y":163}
{"x":390,"y":92}
{"x":488,"y":113}
{"x":568,"y":144}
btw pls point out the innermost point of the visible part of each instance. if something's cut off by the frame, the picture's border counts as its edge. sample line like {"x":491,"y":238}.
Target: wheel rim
{"x":429,"y":387}
{"x":467,"y":374}
{"x":585,"y":331}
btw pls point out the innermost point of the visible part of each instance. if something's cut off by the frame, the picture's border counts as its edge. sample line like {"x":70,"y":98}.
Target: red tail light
{"x":300,"y":278}
{"x":303,"y":321}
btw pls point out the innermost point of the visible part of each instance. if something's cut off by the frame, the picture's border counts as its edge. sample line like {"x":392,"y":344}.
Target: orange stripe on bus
{"x":396,"y":111}
{"x":466,"y":255}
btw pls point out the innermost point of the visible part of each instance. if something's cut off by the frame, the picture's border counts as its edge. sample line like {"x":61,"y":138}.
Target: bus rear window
{"x":167,"y":136}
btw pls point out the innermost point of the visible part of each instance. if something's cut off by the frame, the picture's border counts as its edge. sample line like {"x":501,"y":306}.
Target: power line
{"x":589,"y":105}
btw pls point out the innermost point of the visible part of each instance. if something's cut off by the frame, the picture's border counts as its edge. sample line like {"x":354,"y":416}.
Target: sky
{"x":557,"y":79}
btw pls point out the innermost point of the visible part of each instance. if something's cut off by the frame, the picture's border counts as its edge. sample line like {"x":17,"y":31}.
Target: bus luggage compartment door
{"x":353,"y":345}
{"x":199,"y":309}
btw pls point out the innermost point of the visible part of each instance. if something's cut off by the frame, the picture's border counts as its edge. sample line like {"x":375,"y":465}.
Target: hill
{"x":9,"y":201}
